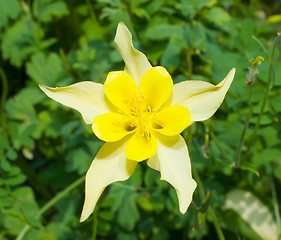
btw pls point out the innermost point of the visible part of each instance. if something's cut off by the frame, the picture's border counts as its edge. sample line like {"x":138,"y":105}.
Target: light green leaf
{"x":46,"y":9}
{"x":44,"y":69}
{"x":19,"y":41}
{"x":164,"y":31}
{"x":8,"y":9}
{"x":129,"y":214}
{"x":252,"y":211}
{"x":21,"y":107}
{"x":218,"y":16}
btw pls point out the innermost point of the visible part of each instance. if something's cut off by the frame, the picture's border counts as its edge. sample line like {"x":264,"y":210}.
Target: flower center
{"x":140,"y":115}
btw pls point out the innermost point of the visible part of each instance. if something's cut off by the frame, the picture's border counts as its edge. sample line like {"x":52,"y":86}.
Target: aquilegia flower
{"x":140,"y":115}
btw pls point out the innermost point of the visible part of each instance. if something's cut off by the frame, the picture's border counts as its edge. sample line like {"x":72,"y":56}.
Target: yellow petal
{"x":110,"y":165}
{"x":173,"y":161}
{"x":86,"y":97}
{"x":136,"y":63}
{"x":172,"y":120}
{"x":201,"y":98}
{"x":140,"y":147}
{"x":111,"y":127}
{"x":120,"y":89}
{"x":156,"y":86}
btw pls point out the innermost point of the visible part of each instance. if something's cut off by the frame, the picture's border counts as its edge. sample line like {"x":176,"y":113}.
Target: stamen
{"x":141,"y":115}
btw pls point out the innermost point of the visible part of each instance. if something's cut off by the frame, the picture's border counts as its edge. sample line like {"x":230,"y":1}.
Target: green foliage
{"x":45,"y":147}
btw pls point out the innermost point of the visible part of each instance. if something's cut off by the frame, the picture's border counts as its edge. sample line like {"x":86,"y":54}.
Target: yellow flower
{"x":140,"y":115}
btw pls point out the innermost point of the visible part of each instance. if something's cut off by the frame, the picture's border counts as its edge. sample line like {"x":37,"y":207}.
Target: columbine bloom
{"x":140,"y":115}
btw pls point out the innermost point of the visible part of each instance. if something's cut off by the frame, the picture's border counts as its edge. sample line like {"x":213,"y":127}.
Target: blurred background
{"x":46,"y":148}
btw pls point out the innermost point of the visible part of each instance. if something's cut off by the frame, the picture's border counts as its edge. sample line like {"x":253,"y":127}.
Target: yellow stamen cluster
{"x":140,"y":115}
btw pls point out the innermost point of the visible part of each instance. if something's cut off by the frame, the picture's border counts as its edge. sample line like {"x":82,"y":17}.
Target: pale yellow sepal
{"x":86,"y":97}
{"x":172,"y":160}
{"x":201,"y":98}
{"x":110,"y":165}
{"x":136,"y":63}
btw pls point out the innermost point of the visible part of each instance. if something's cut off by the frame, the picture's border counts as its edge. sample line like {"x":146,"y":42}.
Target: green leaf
{"x":106,"y":215}
{"x":20,"y":40}
{"x":4,"y":143}
{"x":171,"y":55}
{"x":145,"y":203}
{"x":253,"y":211}
{"x":277,"y":172}
{"x":3,"y":192}
{"x":126,"y":236}
{"x":44,"y":69}
{"x":79,"y":159}
{"x":12,"y":154}
{"x":128,"y":213}
{"x":21,"y":106}
{"x":9,"y":9}
{"x":44,"y":10}
{"x":150,"y":177}
{"x":198,"y":4}
{"x":17,"y":180}
{"x":5,"y":165}
{"x":164,"y":31}
{"x":218,"y":16}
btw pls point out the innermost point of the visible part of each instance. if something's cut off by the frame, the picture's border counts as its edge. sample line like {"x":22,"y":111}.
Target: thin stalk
{"x":95,"y":221}
{"x":203,"y":198}
{"x":219,"y":146}
{"x":269,"y":82}
{"x":3,"y":97}
{"x":242,"y":138}
{"x":261,"y":45}
{"x":189,"y":63}
{"x":189,"y":135}
{"x":252,"y":8}
{"x":51,"y":203}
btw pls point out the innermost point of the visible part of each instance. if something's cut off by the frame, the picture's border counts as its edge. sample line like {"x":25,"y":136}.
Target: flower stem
{"x":51,"y":203}
{"x":189,"y":54}
{"x":95,"y":223}
{"x":242,"y":138}
{"x":219,"y":146}
{"x":268,"y":86}
{"x":203,"y":198}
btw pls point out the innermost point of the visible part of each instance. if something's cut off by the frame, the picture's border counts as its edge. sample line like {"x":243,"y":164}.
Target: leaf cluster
{"x":44,"y":147}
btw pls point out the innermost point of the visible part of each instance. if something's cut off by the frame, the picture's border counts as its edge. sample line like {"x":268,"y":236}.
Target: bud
{"x":253,"y":70}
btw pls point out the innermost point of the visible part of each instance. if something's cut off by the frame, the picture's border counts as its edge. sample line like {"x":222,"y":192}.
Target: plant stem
{"x":219,"y":146}
{"x":95,"y":221}
{"x":269,"y":82}
{"x":51,"y":203}
{"x":3,"y":97}
{"x":252,"y":8}
{"x":203,"y":198}
{"x":246,"y":125}
{"x":189,"y":63}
